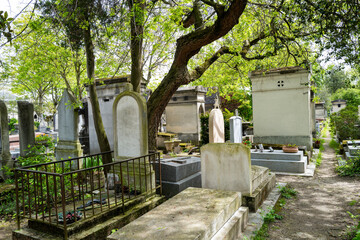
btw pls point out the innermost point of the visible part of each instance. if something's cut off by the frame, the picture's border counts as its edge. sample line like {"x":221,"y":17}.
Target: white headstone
{"x":226,"y":166}
{"x":235,"y":129}
{"x":216,"y":127}
{"x":130,"y":125}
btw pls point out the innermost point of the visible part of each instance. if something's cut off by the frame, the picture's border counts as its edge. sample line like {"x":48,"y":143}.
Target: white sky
{"x":13,"y":7}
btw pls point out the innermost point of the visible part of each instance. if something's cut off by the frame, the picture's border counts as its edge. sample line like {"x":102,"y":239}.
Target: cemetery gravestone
{"x":26,"y":126}
{"x":131,"y":135}
{"x":68,"y":145}
{"x":235,"y":129}
{"x":216,"y":125}
{"x":226,"y":166}
{"x":5,"y":159}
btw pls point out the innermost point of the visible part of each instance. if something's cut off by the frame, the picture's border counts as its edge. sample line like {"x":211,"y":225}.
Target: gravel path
{"x":320,"y":209}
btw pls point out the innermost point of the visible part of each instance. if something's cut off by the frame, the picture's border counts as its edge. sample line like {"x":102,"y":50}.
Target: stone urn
{"x":290,"y":149}
{"x":169,"y":145}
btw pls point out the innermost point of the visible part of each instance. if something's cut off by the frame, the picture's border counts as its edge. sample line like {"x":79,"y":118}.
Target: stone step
{"x":195,"y":213}
{"x":258,"y":175}
{"x":233,"y":228}
{"x":281,"y":165}
{"x":254,"y":200}
{"x":277,"y":155}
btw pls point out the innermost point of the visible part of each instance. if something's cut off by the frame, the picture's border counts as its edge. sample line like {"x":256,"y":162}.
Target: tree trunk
{"x":137,"y":8}
{"x":98,"y":123}
{"x":186,"y":47}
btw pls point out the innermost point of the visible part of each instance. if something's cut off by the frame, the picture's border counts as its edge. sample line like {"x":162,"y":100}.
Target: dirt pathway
{"x":320,"y":209}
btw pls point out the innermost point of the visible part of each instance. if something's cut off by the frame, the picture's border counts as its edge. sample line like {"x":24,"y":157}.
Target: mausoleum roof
{"x":283,"y":70}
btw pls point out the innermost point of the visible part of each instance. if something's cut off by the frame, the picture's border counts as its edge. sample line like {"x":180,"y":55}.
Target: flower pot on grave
{"x":290,"y":149}
{"x":169,"y":145}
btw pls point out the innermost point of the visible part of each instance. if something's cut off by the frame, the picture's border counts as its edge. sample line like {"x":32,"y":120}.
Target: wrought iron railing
{"x":63,"y":192}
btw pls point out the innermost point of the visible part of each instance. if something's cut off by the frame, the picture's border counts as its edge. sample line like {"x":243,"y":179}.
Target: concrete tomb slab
{"x":178,"y":174}
{"x":192,"y":214}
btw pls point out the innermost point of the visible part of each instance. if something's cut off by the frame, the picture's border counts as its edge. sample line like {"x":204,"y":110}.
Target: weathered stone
{"x":68,"y":145}
{"x":110,"y":180}
{"x":216,"y":127}
{"x":226,"y":166}
{"x":26,"y":126}
{"x":5,"y":157}
{"x":192,"y":214}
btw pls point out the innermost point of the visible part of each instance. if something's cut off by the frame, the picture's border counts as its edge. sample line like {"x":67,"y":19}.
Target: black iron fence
{"x":63,"y":192}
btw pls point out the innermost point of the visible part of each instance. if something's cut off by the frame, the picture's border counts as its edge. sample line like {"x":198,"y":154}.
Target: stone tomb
{"x":278,"y":161}
{"x":192,"y":214}
{"x":131,"y":136}
{"x":352,"y":149}
{"x":227,"y":166}
{"x":68,"y":145}
{"x":5,"y":157}
{"x":177,"y":174}
{"x":282,"y":107}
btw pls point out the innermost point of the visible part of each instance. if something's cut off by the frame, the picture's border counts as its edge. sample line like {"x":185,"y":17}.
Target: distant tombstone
{"x":216,"y":125}
{"x":235,"y":129}
{"x":68,"y":145}
{"x":226,"y":166}
{"x":131,"y":138}
{"x":5,"y":159}
{"x":130,"y":125}
{"x":26,"y":126}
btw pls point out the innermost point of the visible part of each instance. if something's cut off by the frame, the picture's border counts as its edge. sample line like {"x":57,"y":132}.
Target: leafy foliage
{"x":351,"y":168}
{"x":345,"y":123}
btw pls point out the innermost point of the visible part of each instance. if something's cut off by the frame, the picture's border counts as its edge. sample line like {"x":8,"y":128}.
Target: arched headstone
{"x":130,"y":125}
{"x":131,"y":138}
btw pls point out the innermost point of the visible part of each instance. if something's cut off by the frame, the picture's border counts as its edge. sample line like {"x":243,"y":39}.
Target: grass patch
{"x":335,"y":145}
{"x":286,"y":193}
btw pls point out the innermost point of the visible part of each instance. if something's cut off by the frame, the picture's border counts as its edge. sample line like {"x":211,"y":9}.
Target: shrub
{"x":345,"y":123}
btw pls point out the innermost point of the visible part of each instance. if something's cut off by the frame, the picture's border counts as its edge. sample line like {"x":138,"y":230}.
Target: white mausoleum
{"x":282,"y":108}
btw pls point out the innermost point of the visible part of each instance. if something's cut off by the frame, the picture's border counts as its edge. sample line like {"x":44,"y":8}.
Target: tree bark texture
{"x":98,"y":123}
{"x":137,"y":8}
{"x":186,"y":47}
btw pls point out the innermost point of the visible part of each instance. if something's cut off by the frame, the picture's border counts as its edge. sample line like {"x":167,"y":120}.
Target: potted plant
{"x":290,"y":148}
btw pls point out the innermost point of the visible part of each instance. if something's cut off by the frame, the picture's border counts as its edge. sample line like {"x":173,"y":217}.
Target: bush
{"x":345,"y":123}
{"x":12,"y":123}
{"x":351,"y":168}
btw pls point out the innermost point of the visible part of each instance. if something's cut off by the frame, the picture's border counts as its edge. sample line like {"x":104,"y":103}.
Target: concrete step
{"x":277,"y":155}
{"x":195,"y":213}
{"x":233,"y":228}
{"x":258,"y":175}
{"x":281,"y":165}
{"x":254,"y":200}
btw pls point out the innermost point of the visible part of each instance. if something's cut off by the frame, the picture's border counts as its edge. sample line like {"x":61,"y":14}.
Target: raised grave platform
{"x":177,"y":174}
{"x":278,"y":161}
{"x":195,"y":213}
{"x":263,"y":181}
